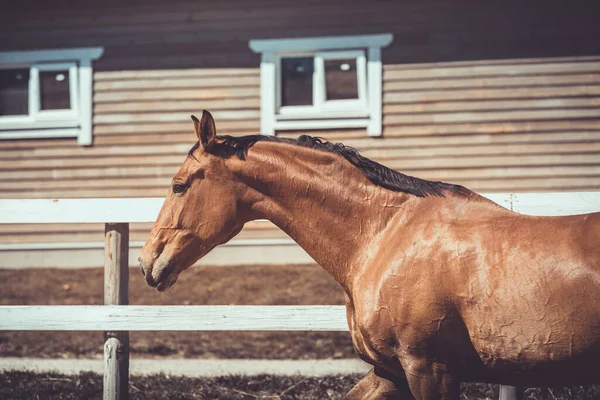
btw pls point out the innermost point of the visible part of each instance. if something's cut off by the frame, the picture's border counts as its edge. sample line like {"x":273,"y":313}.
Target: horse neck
{"x":320,"y":200}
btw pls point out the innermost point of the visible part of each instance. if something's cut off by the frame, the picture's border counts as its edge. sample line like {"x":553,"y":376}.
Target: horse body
{"x":486,"y":294}
{"x":442,"y":285}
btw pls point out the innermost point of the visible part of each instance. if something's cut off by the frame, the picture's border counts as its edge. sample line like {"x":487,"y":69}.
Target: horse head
{"x":202,"y":209}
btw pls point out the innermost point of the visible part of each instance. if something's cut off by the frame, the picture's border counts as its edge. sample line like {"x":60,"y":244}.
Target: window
{"x":320,"y":83}
{"x":47,"y":93}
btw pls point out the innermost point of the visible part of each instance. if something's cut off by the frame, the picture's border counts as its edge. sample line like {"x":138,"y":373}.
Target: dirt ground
{"x":252,"y":285}
{"x":27,"y":385}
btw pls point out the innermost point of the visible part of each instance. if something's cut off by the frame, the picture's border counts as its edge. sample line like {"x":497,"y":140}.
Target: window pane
{"x":341,"y":79}
{"x":296,"y":81}
{"x":54,"y":90}
{"x":14,"y":89}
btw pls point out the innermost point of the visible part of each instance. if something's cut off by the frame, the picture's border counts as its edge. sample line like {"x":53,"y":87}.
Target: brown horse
{"x":442,"y":285}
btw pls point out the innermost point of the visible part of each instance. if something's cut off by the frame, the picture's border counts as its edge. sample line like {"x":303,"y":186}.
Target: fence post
{"x":116,"y":292}
{"x":511,"y":393}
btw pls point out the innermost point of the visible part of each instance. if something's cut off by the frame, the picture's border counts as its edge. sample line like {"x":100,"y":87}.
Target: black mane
{"x":375,"y":172}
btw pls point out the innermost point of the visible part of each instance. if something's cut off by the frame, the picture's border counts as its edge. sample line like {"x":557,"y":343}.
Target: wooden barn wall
{"x":497,"y":96}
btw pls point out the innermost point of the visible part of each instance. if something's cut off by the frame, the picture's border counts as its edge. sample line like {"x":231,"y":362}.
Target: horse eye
{"x":179,"y":188}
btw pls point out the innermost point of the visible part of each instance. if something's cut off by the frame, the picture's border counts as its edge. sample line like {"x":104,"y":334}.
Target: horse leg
{"x":380,"y":385}
{"x":430,"y":381}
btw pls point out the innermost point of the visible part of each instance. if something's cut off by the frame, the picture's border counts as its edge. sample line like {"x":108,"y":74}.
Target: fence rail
{"x":63,"y":211}
{"x":117,"y":320}
{"x":173,"y":318}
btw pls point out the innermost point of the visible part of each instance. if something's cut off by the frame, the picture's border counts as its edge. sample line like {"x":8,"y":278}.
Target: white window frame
{"x":74,"y":122}
{"x":322,"y":107}
{"x":364,"y":112}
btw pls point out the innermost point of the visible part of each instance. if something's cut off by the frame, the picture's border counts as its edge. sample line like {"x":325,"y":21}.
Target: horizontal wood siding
{"x":501,"y":97}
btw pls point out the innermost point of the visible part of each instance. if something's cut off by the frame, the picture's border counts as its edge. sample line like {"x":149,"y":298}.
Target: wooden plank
{"x":168,"y":148}
{"x":491,"y":105}
{"x":176,"y":105}
{"x":415,"y":96}
{"x":504,"y":82}
{"x":181,"y":94}
{"x":66,"y":185}
{"x":182,"y":126}
{"x":401,"y":164}
{"x":490,"y":116}
{"x":493,"y":128}
{"x":170,"y":73}
{"x":178,"y":83}
{"x":98,"y":228}
{"x":116,"y":292}
{"x":115,"y":172}
{"x":556,"y":203}
{"x":31,"y":211}
{"x":31,"y":235}
{"x":524,"y":139}
{"x":381,"y":153}
{"x":505,"y":173}
{"x":537,"y":185}
{"x":85,"y":193}
{"x":70,"y":237}
{"x":173,"y":318}
{"x":83,"y":162}
{"x":219,"y":115}
{"x":508,"y":67}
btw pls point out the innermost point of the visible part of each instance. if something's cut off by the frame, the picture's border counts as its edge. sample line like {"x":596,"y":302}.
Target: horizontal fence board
{"x":146,"y":209}
{"x":547,"y":184}
{"x":170,"y":318}
{"x":556,"y":203}
{"x":80,"y":210}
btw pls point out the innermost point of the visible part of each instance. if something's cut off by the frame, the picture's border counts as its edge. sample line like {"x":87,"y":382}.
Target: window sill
{"x":331,"y":123}
{"x":26,"y":125}
{"x":324,"y":115}
{"x":64,"y":132}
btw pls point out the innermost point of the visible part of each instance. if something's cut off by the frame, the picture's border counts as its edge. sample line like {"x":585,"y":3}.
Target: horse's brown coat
{"x":439,"y":289}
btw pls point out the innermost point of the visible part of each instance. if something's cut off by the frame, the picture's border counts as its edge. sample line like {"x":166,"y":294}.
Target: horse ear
{"x":206,"y":130}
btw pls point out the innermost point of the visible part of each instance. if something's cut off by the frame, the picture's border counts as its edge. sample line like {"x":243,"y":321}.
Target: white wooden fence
{"x":116,"y":318}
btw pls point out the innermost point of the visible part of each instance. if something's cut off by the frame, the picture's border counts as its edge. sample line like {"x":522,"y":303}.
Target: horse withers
{"x":442,"y":285}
